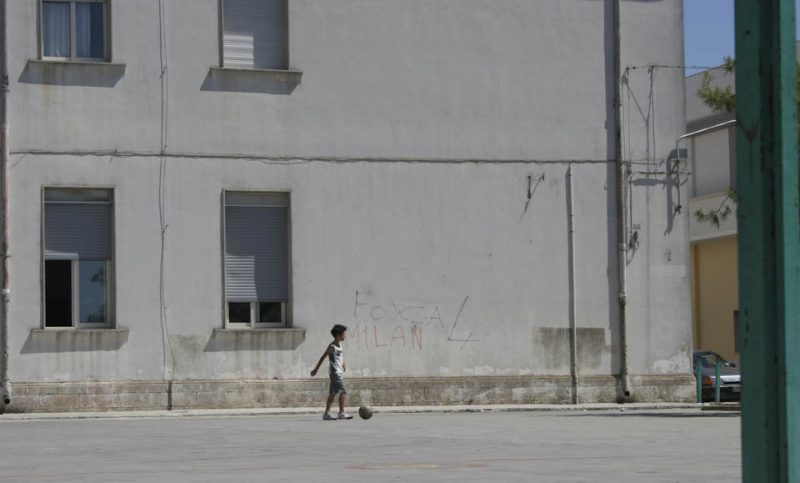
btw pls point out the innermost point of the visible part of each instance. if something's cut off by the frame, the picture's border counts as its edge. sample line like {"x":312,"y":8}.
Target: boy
{"x":335,"y":356}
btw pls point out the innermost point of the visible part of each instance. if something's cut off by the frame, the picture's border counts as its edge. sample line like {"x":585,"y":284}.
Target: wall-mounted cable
{"x":162,"y":181}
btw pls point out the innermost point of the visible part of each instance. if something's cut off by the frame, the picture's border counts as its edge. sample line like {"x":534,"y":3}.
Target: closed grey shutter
{"x":255,"y":34}
{"x":77,"y":230}
{"x":256,"y":253}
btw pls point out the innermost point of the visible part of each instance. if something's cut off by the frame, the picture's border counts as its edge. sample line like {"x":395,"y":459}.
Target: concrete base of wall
{"x":141,"y":395}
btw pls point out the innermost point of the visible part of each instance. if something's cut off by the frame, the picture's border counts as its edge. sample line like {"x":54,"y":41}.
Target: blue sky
{"x":708,"y":31}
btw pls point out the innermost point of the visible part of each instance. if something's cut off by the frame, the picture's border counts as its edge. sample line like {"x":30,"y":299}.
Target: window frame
{"x":254,"y":316}
{"x":221,"y":36}
{"x":286,"y":306}
{"x":110,"y":288}
{"x":73,"y":49}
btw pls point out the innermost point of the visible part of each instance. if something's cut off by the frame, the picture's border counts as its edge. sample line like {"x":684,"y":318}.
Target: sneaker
{"x":328,"y":417}
{"x":344,"y":416}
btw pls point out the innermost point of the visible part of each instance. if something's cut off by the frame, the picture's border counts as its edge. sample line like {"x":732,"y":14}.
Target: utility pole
{"x":769,"y":239}
{"x":623,"y":389}
{"x":5,"y":292}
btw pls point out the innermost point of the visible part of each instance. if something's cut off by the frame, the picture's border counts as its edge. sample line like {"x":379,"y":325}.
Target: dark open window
{"x":58,"y":293}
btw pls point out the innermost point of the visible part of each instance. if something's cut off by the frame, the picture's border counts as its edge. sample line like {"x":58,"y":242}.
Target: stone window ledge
{"x":280,"y":75}
{"x":78,"y":63}
{"x":260,"y":329}
{"x":259,"y":81}
{"x":81,"y":330}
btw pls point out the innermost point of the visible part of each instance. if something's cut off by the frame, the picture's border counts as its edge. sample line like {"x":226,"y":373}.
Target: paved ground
{"x":608,"y":445}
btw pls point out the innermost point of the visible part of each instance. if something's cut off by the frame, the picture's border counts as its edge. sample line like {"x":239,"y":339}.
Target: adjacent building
{"x":711,"y":147}
{"x":486,"y":193}
{"x":710,"y":143}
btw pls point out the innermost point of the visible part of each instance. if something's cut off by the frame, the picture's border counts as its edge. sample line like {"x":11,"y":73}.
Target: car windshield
{"x":710,"y":360}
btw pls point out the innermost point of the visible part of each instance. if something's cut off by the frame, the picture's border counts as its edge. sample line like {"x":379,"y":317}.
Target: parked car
{"x":730,"y":387}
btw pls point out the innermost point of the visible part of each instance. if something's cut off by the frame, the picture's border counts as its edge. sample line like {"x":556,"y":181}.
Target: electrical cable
{"x":162,"y":178}
{"x":299,"y":160}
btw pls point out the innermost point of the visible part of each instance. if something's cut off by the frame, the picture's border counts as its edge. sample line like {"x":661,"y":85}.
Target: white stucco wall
{"x":407,"y":149}
{"x":659,"y":306}
{"x":382,"y":78}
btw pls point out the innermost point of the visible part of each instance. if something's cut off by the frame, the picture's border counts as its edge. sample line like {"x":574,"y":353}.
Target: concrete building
{"x":200,"y":189}
{"x":711,"y":147}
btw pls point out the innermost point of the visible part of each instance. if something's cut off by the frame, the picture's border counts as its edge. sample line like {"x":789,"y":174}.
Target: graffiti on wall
{"x":405,"y":325}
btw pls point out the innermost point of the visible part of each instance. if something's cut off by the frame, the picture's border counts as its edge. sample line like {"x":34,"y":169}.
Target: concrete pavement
{"x":472,"y":408}
{"x":660,"y":444}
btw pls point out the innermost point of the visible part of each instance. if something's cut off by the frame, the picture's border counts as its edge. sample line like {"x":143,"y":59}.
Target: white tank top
{"x":336,"y":359}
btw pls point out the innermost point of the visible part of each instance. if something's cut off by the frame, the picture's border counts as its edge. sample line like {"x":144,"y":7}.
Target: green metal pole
{"x":716,"y":381}
{"x":769,"y":239}
{"x":699,"y":381}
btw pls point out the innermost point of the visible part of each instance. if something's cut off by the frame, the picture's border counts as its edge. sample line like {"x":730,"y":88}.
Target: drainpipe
{"x":622,"y":244}
{"x":5,"y":294}
{"x":573,"y":329}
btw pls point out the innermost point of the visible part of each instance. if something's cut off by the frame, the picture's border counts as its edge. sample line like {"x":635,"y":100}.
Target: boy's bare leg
{"x":342,"y":397}
{"x":329,"y":402}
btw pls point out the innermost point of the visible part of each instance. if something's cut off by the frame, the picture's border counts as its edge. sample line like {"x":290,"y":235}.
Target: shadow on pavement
{"x":649,"y":414}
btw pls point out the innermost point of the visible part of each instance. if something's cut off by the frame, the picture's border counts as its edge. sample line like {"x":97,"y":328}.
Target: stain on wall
{"x":551,"y":347}
{"x":592,"y":347}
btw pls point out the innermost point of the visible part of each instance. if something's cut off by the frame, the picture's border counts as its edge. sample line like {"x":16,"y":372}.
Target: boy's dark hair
{"x":338,"y":329}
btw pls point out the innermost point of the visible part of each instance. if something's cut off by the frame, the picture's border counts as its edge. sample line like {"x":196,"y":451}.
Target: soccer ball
{"x":365,"y":412}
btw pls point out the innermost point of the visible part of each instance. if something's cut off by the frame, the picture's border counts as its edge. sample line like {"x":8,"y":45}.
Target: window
{"x":254,"y":34}
{"x":73,"y":30}
{"x":256,"y":259}
{"x":77,"y":257}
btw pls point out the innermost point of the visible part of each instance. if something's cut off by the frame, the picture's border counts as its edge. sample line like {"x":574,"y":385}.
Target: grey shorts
{"x":337,"y":384}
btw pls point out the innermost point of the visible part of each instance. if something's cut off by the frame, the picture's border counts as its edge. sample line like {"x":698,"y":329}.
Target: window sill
{"x":72,"y":72}
{"x":79,"y":62}
{"x":282,"y":75}
{"x":69,"y":339}
{"x":264,"y":81}
{"x":268,"y":338}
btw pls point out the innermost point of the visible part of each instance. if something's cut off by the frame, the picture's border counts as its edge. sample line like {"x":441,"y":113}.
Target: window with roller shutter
{"x":254,"y":34}
{"x":78,"y":257}
{"x":256,"y":259}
